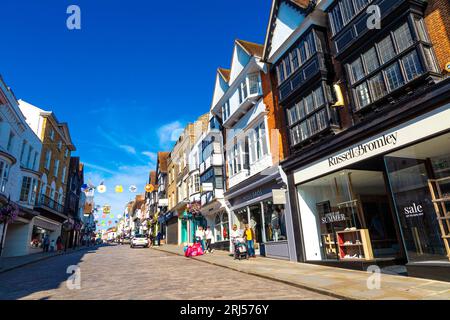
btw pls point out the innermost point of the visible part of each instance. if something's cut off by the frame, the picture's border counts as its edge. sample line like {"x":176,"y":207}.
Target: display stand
{"x":441,"y":202}
{"x":354,"y":245}
{"x":329,"y":244}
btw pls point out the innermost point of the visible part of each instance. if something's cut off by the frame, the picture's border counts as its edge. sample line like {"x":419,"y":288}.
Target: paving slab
{"x":336,"y":282}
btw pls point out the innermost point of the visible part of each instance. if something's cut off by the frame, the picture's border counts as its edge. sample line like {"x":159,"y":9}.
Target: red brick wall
{"x":275,"y":119}
{"x":437,"y":19}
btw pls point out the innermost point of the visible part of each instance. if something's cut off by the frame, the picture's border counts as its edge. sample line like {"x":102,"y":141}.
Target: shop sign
{"x":332,"y":217}
{"x":406,"y":133}
{"x":413,"y":211}
{"x":252,"y":195}
{"x":163,"y":202}
{"x":207,"y":186}
{"x":279,"y":196}
{"x":364,"y":148}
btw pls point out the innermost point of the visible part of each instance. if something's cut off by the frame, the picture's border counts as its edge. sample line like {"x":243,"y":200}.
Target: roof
{"x":305,"y":6}
{"x":153,"y":178}
{"x":224,"y":73}
{"x":162,"y":161}
{"x":251,"y":48}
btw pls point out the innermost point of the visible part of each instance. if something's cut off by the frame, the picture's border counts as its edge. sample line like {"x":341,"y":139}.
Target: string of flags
{"x":101,"y":188}
{"x":104,"y":212}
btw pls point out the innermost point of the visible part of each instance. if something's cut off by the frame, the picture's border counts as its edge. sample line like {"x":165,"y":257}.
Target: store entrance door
{"x":255,"y":223}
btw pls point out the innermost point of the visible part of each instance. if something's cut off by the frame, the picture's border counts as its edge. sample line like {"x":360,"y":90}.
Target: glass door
{"x":410,"y":171}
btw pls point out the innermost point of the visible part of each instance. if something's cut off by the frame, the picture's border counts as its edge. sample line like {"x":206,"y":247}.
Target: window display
{"x":275,"y":223}
{"x":420,"y":182}
{"x":346,"y":215}
{"x":221,"y":227}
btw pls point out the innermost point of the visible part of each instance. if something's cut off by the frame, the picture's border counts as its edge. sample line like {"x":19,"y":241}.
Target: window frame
{"x":384,"y":65}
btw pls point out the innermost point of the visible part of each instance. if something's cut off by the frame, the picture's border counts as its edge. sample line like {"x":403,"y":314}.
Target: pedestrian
{"x":249,"y":235}
{"x":59,"y":244}
{"x":209,"y":237}
{"x":234,"y":234}
{"x":46,"y":243}
{"x":158,"y":238}
{"x":200,"y":236}
{"x":152,"y":238}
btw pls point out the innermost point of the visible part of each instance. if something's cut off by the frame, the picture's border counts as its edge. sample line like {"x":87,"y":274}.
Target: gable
{"x":219,"y":89}
{"x":240,"y":60}
{"x":287,"y":20}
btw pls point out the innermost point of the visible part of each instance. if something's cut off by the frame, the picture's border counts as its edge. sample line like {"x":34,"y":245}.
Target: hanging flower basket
{"x":77,"y":226}
{"x":9,"y":212}
{"x":194,"y":208}
{"x":68,"y":226}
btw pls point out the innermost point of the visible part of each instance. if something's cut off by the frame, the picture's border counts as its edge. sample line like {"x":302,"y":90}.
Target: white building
{"x":244,"y":103}
{"x":20,"y":151}
{"x":212,"y":181}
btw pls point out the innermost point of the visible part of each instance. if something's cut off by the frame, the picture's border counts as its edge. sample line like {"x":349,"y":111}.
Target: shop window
{"x":274,"y":222}
{"x":37,"y":237}
{"x":221,"y":227}
{"x":419,"y":177}
{"x":338,"y":209}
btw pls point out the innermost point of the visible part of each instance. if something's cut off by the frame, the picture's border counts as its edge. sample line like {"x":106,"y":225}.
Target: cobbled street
{"x":119,"y":272}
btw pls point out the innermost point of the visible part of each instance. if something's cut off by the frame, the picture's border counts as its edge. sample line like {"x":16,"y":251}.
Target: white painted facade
{"x":20,"y":151}
{"x":243,"y":114}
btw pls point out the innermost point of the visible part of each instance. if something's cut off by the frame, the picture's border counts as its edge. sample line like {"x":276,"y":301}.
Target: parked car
{"x":139,"y":240}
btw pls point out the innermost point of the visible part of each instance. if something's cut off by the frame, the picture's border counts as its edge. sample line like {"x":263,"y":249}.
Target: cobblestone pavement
{"x":119,"y":272}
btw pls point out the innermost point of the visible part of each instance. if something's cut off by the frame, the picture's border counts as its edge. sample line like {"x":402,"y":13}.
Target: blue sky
{"x":130,"y":79}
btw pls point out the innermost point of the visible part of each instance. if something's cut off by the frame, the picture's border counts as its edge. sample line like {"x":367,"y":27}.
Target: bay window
{"x":306,"y":47}
{"x":308,"y":116}
{"x":398,"y":58}
{"x":344,"y":11}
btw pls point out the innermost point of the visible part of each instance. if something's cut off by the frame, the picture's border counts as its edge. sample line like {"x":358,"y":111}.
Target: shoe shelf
{"x":440,"y":195}
{"x":330,"y":244}
{"x":354,"y":245}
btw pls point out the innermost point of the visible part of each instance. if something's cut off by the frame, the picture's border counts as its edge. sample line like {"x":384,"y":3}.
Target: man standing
{"x":46,"y":243}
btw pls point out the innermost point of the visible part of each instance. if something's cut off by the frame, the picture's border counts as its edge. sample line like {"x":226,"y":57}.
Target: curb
{"x":305,"y":287}
{"x":40,"y":259}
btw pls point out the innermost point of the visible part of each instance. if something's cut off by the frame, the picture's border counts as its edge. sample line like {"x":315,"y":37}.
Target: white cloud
{"x":124,"y":176}
{"x":151,"y":155}
{"x":169,"y":133}
{"x":128,"y":149}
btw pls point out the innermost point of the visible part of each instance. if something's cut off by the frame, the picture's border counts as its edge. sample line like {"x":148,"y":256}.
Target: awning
{"x":46,"y":225}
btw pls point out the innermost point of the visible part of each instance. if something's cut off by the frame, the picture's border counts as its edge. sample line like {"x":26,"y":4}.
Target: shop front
{"x":171,"y":223}
{"x":383,"y":200}
{"x":260,"y":206}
